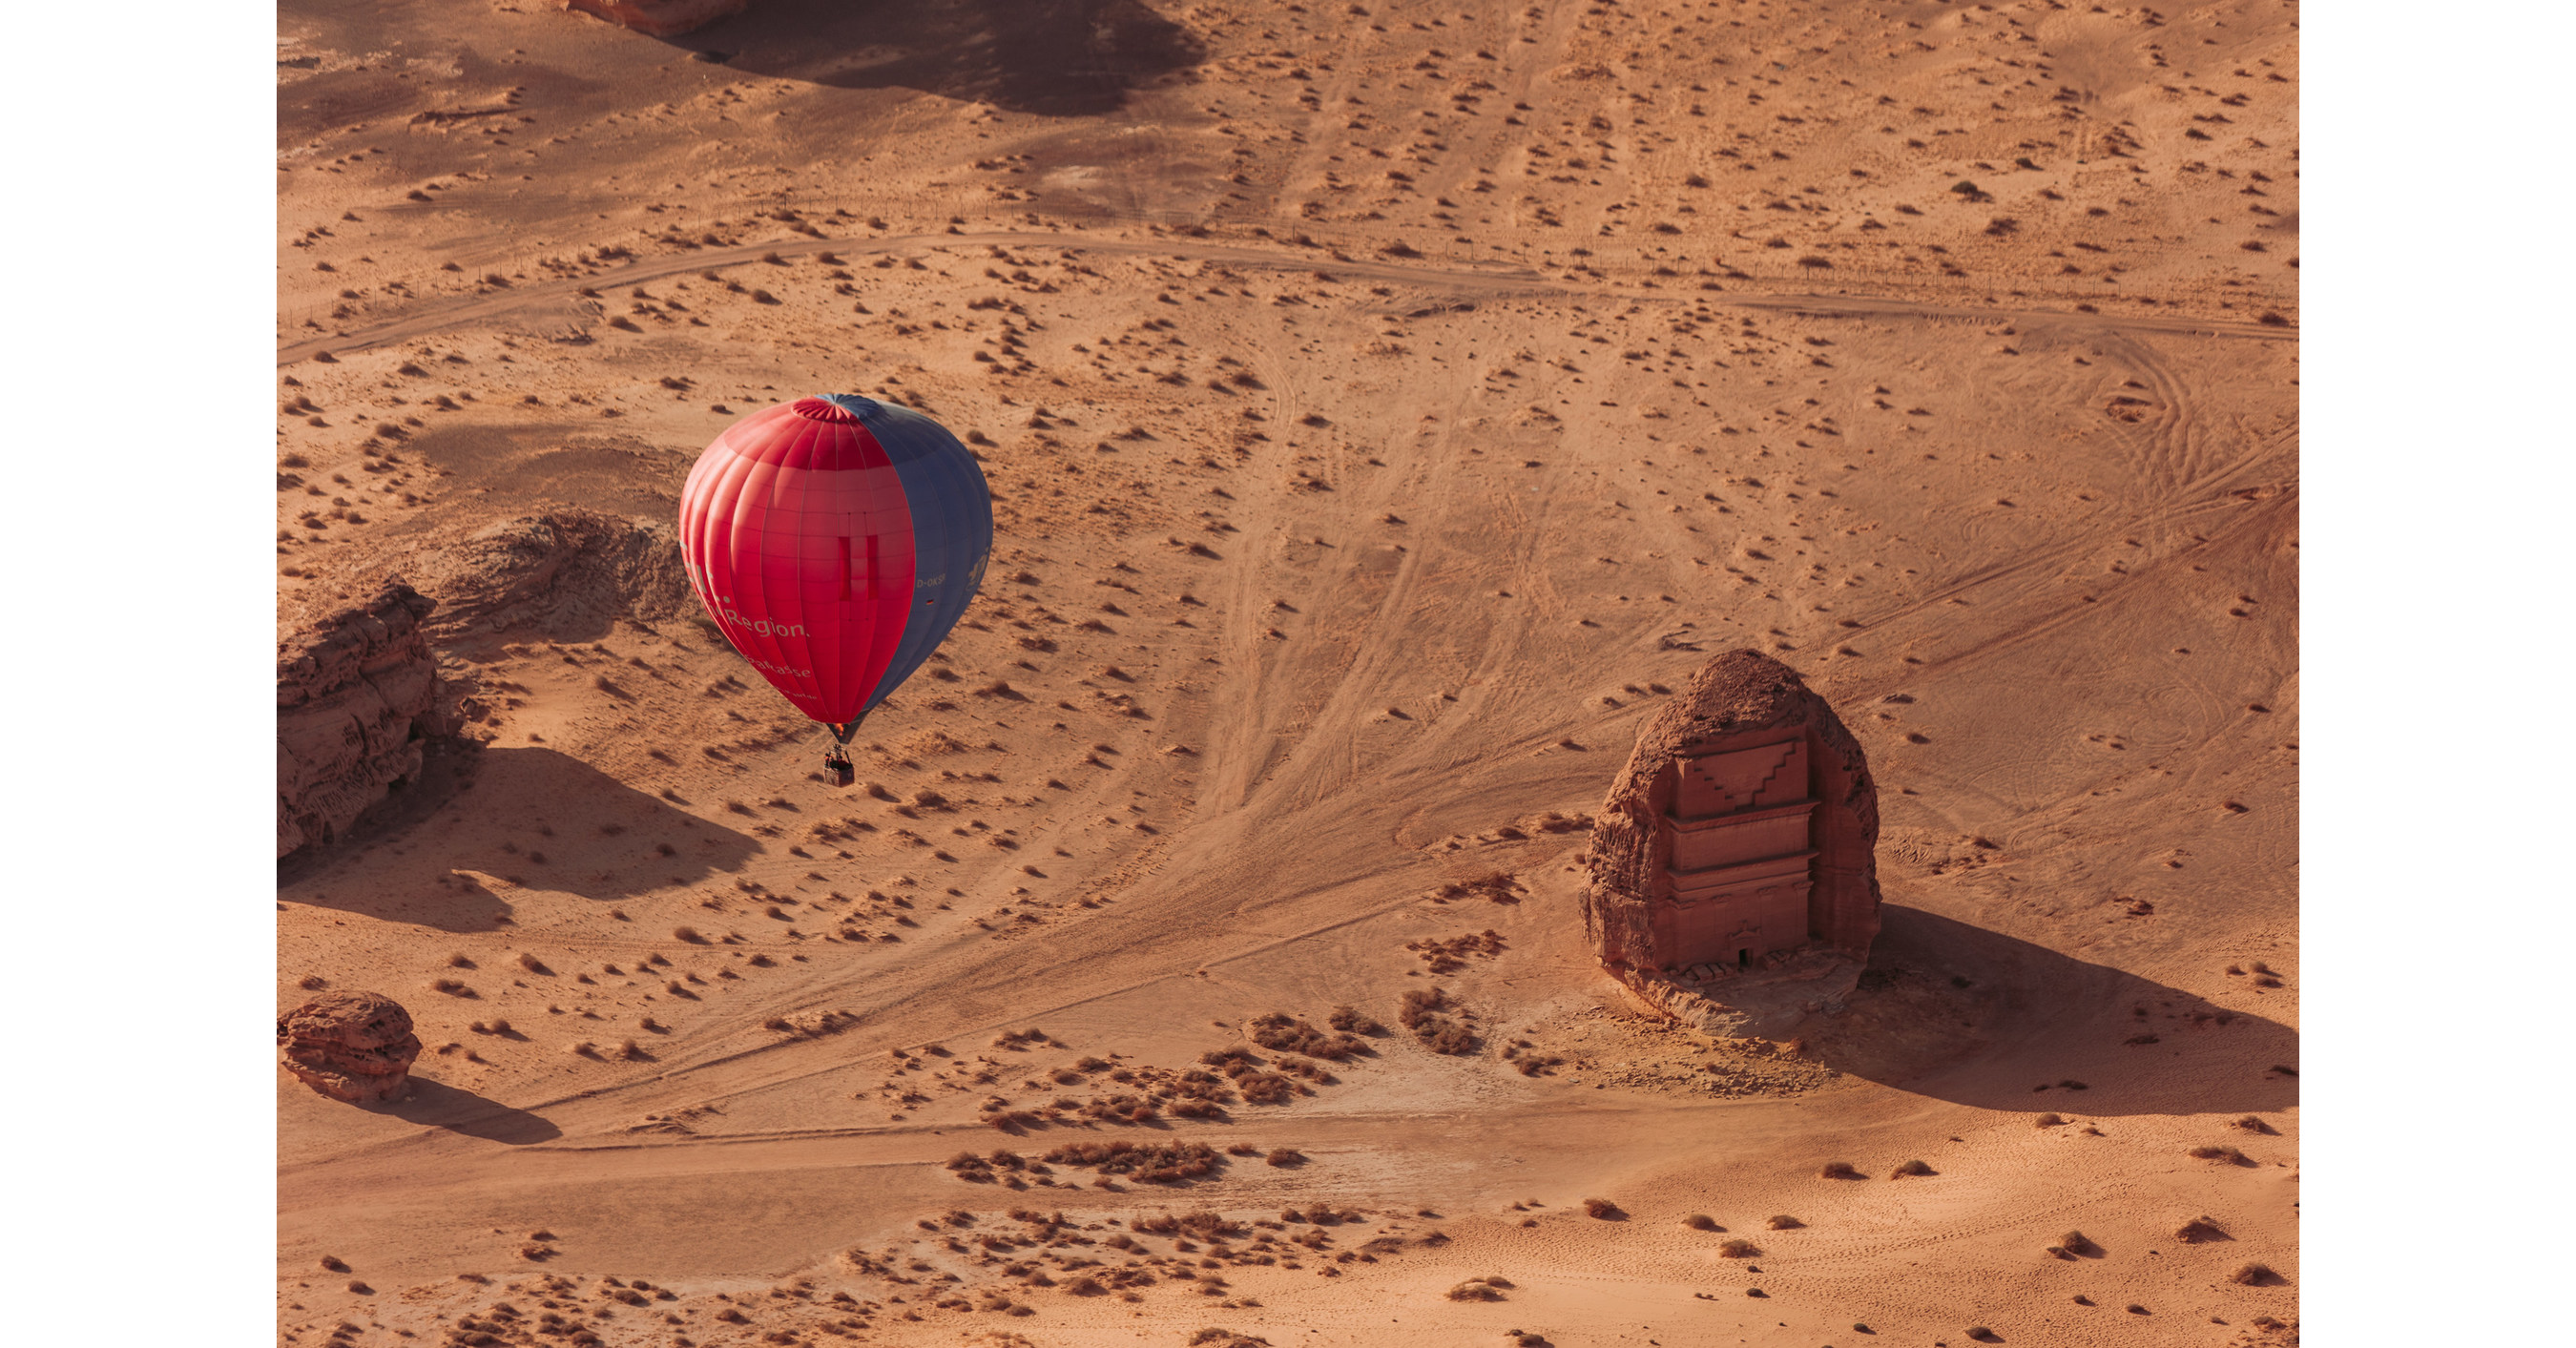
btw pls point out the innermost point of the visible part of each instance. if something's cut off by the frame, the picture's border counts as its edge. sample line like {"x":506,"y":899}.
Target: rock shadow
{"x":434,"y":1104}
{"x":506,"y":819}
{"x":1972,"y":1016}
{"x":1055,"y":58}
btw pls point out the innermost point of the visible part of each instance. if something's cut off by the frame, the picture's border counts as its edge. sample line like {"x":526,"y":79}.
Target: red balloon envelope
{"x":836,"y":540}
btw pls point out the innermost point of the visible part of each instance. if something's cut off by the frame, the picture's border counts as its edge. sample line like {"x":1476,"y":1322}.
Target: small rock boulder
{"x":351,"y":1046}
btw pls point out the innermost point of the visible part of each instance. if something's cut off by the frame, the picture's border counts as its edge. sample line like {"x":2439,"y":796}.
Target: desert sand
{"x":1387,"y":404}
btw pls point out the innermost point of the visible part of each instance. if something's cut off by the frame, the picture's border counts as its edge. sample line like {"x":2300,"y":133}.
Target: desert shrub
{"x":1912,"y":1168}
{"x":1602,"y":1208}
{"x":1475,"y":1289}
{"x":1839,"y":1170}
{"x":1419,"y":1005}
{"x":1449,"y":1037}
{"x":1265,"y":1088}
{"x":2216,"y":1153}
{"x":1701,"y":1221}
{"x":1287,"y":1034}
{"x":1420,"y":1012}
{"x":1346,"y":1019}
{"x":2049,"y":1120}
{"x":1982,"y":1334}
{"x":2199,"y":1230}
{"x":2076,"y":1242}
{"x":1738,"y":1247}
{"x":687,"y":935}
{"x":1285,"y":1156}
{"x":1785,"y":1222}
{"x":2253,"y":1275}
{"x":1150,"y":1162}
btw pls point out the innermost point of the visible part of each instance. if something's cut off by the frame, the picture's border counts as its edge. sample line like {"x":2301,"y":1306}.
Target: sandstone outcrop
{"x":356,"y":689}
{"x":659,"y":18}
{"x":567,"y":575}
{"x":352,"y":1046}
{"x":1733,"y":869}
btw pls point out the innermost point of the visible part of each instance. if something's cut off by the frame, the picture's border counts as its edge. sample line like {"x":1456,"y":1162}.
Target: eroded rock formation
{"x":352,"y":1046}
{"x":356,"y":688}
{"x":1734,"y":876}
{"x":660,"y":18}
{"x":567,"y":574}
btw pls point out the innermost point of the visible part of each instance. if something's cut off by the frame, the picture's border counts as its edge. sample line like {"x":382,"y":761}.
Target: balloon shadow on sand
{"x":1056,"y":58}
{"x":433,"y":1104}
{"x":486,"y":822}
{"x":1960,"y":1013}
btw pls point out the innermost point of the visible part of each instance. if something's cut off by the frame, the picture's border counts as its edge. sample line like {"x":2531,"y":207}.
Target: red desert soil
{"x":1386,"y":403}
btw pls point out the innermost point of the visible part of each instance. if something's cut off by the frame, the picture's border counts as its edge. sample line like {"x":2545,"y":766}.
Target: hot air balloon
{"x":836,"y":540}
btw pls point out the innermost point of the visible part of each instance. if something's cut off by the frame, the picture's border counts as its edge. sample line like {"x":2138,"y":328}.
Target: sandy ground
{"x":1385,"y":403}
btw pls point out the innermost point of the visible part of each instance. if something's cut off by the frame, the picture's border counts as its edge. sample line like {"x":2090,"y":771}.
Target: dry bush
{"x":1286,"y":1156}
{"x":312,"y":982}
{"x":2215,"y":1153}
{"x":1785,"y":1222}
{"x":1420,"y":1013}
{"x":2076,"y":1242}
{"x":1286,"y":1034}
{"x":1243,"y":1149}
{"x":1737,"y":1247}
{"x":2199,"y":1230}
{"x":1448,"y":1037}
{"x":2252,"y":1124}
{"x":2254,"y":1275}
{"x":1150,"y":1162}
{"x":1496,"y":886}
{"x":1475,"y":1289}
{"x":687,"y":935}
{"x":1839,"y":1170}
{"x":1701,"y":1221}
{"x":1912,"y":1168}
{"x":1983,"y":1335}
{"x":1602,"y":1208}
{"x":1419,"y":1004}
{"x":1213,"y":1337}
{"x":2049,"y":1120}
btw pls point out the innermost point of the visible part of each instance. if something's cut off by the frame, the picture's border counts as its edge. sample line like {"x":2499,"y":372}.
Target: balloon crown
{"x":840,"y":407}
